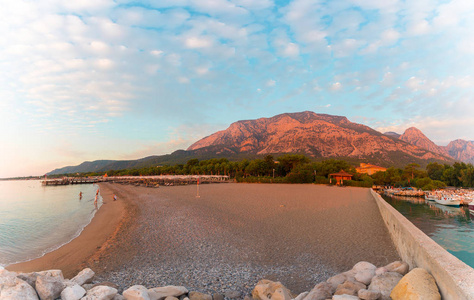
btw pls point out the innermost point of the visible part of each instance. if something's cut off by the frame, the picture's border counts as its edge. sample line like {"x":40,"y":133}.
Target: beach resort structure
{"x":369,"y":169}
{"x":340,"y":177}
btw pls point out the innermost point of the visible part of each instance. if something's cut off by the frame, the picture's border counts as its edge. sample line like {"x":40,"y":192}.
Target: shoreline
{"x":81,"y":251}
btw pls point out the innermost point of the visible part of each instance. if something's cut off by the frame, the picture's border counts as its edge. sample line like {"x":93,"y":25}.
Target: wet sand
{"x":236,"y":234}
{"x":94,"y":239}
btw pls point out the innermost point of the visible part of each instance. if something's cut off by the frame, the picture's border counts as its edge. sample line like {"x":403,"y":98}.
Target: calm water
{"x":35,"y":220}
{"x":451,"y":227}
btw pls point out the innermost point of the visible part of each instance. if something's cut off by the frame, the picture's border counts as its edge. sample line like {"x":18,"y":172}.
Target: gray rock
{"x":321,"y":291}
{"x":100,"y":293}
{"x":85,"y":276}
{"x":364,"y":272}
{"x":199,"y":296}
{"x":73,"y":292}
{"x":232,"y":294}
{"x":30,"y":278}
{"x":49,"y":287}
{"x":217,"y":296}
{"x":88,"y":286}
{"x":52,"y":273}
{"x":13,"y":288}
{"x":136,"y":292}
{"x":118,"y":297}
{"x":399,"y":267}
{"x":384,"y":283}
{"x":160,"y":293}
{"x":368,"y":294}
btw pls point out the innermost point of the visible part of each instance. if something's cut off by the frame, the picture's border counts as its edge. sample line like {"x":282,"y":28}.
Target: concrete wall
{"x":455,"y":279}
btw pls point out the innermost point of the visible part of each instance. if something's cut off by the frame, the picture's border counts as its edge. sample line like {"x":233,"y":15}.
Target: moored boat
{"x":447,"y":200}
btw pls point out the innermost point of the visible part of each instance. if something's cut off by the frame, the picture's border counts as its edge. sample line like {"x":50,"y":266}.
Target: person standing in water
{"x":95,"y":201}
{"x":80,"y":195}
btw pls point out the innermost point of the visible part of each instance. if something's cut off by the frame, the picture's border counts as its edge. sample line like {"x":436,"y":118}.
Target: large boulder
{"x":73,"y":292}
{"x":417,"y":284}
{"x":29,"y":277}
{"x":136,"y":292}
{"x":398,"y":266}
{"x":267,"y":289}
{"x":83,"y":277}
{"x":384,"y":283}
{"x":101,"y":293}
{"x":364,"y":272}
{"x":49,"y":287}
{"x":320,"y":291}
{"x":160,"y":293}
{"x":337,"y":280}
{"x":13,"y":288}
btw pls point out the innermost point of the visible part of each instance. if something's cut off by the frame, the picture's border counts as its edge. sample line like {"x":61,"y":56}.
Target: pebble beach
{"x":233,"y":235}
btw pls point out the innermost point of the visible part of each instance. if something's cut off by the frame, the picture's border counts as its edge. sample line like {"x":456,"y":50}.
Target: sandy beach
{"x":227,"y":239}
{"x":95,"y":238}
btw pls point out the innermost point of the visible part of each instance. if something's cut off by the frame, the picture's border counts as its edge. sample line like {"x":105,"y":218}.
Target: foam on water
{"x":35,"y":220}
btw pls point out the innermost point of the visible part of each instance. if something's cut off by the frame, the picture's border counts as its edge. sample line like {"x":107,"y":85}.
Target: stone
{"x":267,"y":289}
{"x":199,"y":296}
{"x":106,"y":283}
{"x":174,"y":298}
{"x":364,"y":272}
{"x":136,"y":292}
{"x":13,"y":288}
{"x":345,"y":297}
{"x":384,"y":283}
{"x":320,"y":291}
{"x":368,"y":294}
{"x":337,"y":280}
{"x":160,"y":293}
{"x":417,"y":284}
{"x":88,"y":286}
{"x":49,"y":287}
{"x":52,"y":273}
{"x":217,"y":296}
{"x":85,"y":276}
{"x":29,"y":277}
{"x":73,"y":292}
{"x":118,"y":297}
{"x":349,"y":287}
{"x":232,"y":294}
{"x":301,"y":296}
{"x":398,"y":266}
{"x":101,"y":293}
{"x":381,"y":270}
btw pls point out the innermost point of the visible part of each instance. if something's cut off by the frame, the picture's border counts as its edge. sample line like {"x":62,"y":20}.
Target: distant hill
{"x":392,"y":134}
{"x":319,"y":136}
{"x":461,"y":150}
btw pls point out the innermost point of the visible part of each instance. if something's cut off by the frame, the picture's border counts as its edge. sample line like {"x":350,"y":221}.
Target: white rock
{"x":136,"y":292}
{"x":29,"y":277}
{"x":398,"y":266}
{"x":13,"y":288}
{"x":320,"y":291}
{"x":381,"y":270}
{"x":301,"y":296}
{"x":52,"y":273}
{"x":73,"y":292}
{"x":160,"y":293}
{"x":364,"y":272}
{"x":100,"y":292}
{"x":337,"y":280}
{"x":49,"y":287}
{"x":384,"y":283}
{"x":85,"y":276}
{"x":368,"y":295}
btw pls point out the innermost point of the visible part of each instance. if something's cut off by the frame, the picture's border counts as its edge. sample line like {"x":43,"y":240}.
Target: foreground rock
{"x":418,"y":284}
{"x":266,"y":290}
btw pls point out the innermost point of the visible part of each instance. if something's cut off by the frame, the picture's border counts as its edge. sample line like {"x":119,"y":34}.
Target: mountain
{"x":461,"y":150}
{"x":392,"y":134}
{"x":87,"y":166}
{"x":415,"y":137}
{"x":316,"y":135}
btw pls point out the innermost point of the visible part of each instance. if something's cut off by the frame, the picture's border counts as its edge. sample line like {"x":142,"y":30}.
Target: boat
{"x":430,"y":196}
{"x":447,"y":200}
{"x":471,"y":207}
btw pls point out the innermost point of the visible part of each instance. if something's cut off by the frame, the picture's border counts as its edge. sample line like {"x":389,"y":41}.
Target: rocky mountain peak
{"x":415,"y":137}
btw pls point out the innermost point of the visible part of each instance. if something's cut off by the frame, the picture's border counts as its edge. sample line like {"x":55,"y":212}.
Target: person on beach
{"x":95,"y":201}
{"x":115,"y":197}
{"x":97,"y":193}
{"x":80,"y":195}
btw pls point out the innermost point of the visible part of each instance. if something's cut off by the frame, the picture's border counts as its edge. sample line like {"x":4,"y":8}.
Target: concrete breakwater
{"x":455,"y":279}
{"x":363,"y":281}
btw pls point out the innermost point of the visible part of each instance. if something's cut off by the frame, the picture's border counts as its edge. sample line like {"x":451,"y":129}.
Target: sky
{"x":115,"y":79}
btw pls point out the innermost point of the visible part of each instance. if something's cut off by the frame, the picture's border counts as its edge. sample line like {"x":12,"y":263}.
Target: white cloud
{"x":336,"y":86}
{"x":270,"y":83}
{"x":198,"y":42}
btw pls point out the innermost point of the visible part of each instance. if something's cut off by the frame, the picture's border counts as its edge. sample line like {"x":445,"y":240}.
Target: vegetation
{"x":297,"y":168}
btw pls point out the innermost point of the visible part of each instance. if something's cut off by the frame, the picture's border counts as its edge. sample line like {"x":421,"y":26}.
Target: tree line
{"x":297,"y":168}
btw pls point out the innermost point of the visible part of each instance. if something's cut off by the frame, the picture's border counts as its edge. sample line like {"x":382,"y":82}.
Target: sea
{"x":36,"y":219}
{"x":451,"y":227}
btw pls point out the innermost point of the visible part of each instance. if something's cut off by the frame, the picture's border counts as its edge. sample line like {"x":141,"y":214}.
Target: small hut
{"x":340,"y":177}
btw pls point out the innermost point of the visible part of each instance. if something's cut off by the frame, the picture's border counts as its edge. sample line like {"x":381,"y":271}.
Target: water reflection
{"x":450,"y":227}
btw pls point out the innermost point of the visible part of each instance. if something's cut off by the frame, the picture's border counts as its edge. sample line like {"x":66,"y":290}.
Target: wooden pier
{"x":148,"y":181}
